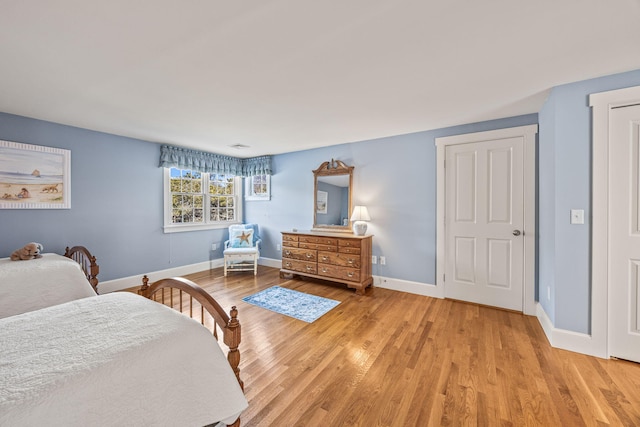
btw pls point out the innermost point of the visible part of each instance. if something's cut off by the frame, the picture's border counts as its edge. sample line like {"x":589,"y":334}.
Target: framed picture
{"x":257,"y":187}
{"x":34,"y":176}
{"x":321,"y":202}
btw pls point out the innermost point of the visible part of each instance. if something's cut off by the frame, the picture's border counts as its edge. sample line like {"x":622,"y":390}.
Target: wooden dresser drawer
{"x":318,"y":246}
{"x":339,"y":259}
{"x":289,"y":238}
{"x":301,"y":266}
{"x":330,"y":241}
{"x":348,"y":250}
{"x":301,"y":254}
{"x":345,"y":273}
{"x":349,"y":243}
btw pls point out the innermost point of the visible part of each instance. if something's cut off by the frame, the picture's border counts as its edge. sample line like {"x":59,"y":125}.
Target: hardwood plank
{"x":394,"y":359}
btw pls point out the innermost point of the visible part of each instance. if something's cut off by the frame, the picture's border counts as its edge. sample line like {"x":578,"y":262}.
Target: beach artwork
{"x":34,"y":176}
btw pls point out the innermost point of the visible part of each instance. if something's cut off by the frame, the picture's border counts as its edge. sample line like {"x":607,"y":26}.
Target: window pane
{"x":177,"y":216}
{"x":196,"y":186}
{"x":176,"y":201}
{"x":201,"y":198}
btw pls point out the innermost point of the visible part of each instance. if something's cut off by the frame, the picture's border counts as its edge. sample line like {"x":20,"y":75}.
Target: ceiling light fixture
{"x":239,"y":146}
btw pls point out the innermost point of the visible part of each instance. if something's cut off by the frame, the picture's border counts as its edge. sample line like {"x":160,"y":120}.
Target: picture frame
{"x":322,"y":200}
{"x":34,"y":176}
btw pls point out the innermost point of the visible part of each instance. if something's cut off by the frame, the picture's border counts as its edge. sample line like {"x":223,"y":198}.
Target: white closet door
{"x":484,"y":222}
{"x":624,"y":224}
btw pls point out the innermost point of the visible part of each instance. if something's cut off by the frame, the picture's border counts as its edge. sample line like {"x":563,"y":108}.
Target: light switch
{"x":577,"y":216}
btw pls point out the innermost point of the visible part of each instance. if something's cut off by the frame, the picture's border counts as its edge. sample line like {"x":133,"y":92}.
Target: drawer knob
{"x":350,"y":274}
{"x":309,"y":255}
{"x":309,"y":268}
{"x":324,"y":270}
{"x":324,"y":258}
{"x":350,"y":261}
{"x":288,"y":264}
{"x":287,"y":252}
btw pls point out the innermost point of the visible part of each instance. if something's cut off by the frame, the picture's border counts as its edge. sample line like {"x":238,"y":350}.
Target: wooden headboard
{"x":87,"y":262}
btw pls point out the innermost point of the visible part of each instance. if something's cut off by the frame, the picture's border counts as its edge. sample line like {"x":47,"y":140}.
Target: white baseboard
{"x":568,"y":340}
{"x":417,"y":288}
{"x":133,"y":281}
{"x":270,"y":262}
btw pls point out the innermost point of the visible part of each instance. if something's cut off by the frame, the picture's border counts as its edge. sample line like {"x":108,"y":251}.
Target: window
{"x":257,"y":187}
{"x":195,"y":201}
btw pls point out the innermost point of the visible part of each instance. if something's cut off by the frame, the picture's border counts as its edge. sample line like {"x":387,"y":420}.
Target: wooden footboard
{"x":171,"y":292}
{"x":82,"y":256}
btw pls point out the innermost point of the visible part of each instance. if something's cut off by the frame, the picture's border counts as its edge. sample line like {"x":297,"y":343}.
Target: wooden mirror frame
{"x":332,"y":168}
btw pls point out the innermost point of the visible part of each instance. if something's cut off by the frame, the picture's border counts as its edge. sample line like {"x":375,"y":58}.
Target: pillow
{"x":241,"y":238}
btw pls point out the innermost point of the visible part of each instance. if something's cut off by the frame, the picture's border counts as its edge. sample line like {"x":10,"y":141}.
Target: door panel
{"x":624,"y":220}
{"x":499,"y":272}
{"x":465,"y":194}
{"x":484,"y":205}
{"x":500,"y":185}
{"x":466,"y":260}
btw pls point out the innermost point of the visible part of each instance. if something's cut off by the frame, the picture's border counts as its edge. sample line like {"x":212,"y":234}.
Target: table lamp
{"x":360,"y":215}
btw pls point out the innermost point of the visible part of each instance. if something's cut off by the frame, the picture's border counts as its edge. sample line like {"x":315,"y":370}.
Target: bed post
{"x":232,"y":340}
{"x":145,"y":285}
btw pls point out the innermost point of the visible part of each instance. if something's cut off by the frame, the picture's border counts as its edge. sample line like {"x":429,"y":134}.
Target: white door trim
{"x":528,"y":133}
{"x":601,"y":104}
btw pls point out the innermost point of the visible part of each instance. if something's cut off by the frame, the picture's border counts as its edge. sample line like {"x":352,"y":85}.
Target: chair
{"x":242,"y":250}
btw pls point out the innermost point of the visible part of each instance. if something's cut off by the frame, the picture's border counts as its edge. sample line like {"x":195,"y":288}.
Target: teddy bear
{"x":29,"y":251}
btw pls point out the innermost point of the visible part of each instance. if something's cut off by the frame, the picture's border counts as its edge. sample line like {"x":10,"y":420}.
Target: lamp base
{"x":359,"y":228}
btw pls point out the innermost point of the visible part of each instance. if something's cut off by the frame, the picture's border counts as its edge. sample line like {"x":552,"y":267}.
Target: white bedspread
{"x":113,"y":360}
{"x":38,"y":283}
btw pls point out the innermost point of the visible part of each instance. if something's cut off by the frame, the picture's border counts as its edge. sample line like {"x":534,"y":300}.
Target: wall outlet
{"x":278,"y":247}
{"x":383,"y":260}
{"x":214,"y":246}
{"x":374,"y":259}
{"x":577,"y":216}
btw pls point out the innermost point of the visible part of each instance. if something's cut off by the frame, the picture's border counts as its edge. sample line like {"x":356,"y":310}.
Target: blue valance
{"x":182,"y":158}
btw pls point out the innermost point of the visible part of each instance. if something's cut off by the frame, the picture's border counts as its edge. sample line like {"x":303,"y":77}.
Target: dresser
{"x":338,"y":257}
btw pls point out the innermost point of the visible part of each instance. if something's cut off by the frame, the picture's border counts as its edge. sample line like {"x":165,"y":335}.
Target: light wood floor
{"x":396,"y":359}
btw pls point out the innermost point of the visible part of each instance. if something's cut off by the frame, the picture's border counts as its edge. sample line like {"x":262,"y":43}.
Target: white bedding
{"x":113,"y":360}
{"x":38,"y":283}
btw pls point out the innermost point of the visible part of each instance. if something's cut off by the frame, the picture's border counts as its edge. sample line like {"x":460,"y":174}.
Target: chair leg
{"x":255,"y":266}
{"x":225,"y":266}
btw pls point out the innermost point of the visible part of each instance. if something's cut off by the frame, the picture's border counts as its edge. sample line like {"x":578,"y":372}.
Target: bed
{"x":49,"y":280}
{"x":123,"y":359}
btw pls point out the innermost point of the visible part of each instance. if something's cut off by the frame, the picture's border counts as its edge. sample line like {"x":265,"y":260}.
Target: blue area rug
{"x":291,"y":303}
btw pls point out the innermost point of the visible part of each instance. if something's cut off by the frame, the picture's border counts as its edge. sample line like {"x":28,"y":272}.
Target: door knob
{"x":516,"y":232}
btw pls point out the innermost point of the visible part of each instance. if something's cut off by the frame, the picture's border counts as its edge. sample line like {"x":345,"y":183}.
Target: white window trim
{"x":169,"y":227}
{"x":249,"y":195}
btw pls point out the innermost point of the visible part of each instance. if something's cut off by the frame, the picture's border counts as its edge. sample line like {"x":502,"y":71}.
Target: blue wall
{"x":116,"y":204}
{"x":565,"y":145}
{"x":394,"y":177}
{"x":117,"y":200}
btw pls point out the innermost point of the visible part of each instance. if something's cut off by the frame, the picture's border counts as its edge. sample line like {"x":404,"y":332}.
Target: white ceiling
{"x":288,"y":75}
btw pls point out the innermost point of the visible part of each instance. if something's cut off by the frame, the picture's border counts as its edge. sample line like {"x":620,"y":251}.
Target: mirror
{"x":332,"y":196}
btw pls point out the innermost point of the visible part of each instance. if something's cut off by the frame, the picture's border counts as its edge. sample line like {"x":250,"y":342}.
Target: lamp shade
{"x":360,"y":213}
